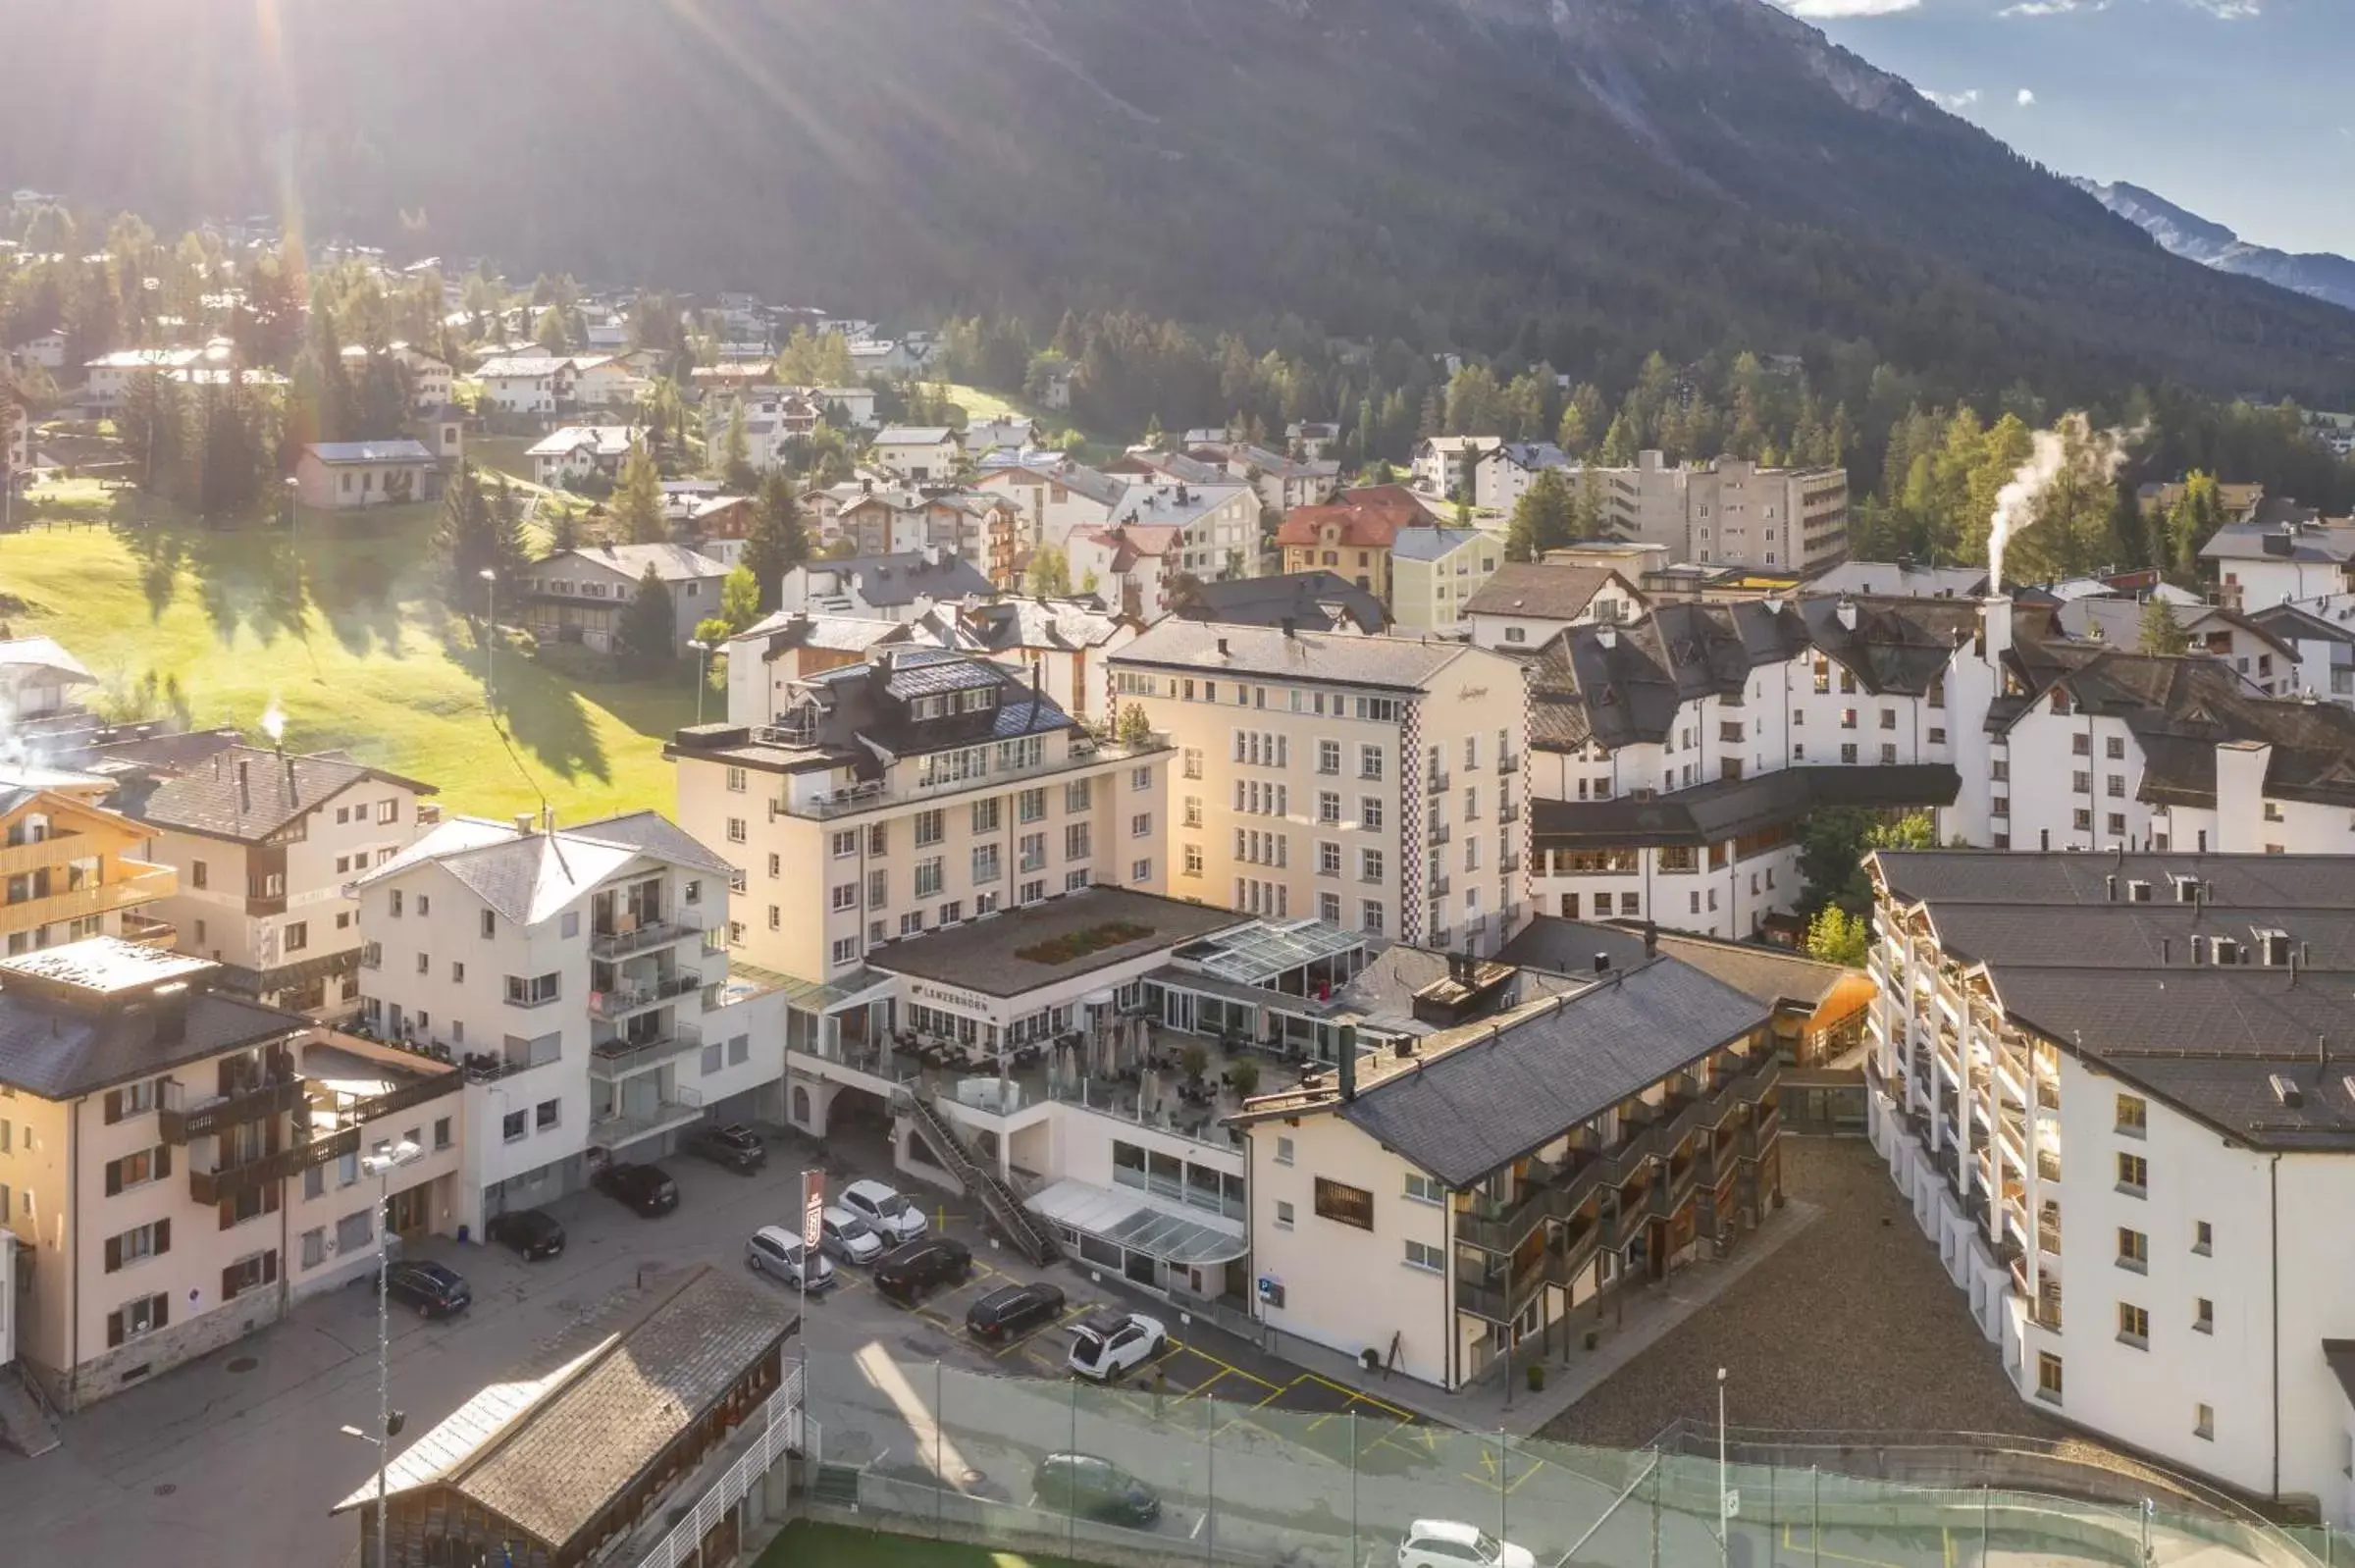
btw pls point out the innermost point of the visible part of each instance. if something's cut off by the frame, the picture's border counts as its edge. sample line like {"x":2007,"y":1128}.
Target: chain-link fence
{"x":1122,"y":1475}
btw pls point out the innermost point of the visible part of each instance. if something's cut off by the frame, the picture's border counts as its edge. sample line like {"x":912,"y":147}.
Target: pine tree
{"x":642,"y":643}
{"x":637,"y":500}
{"x":775,"y":543}
{"x":735,"y":461}
{"x":2162,"y":633}
{"x":563,"y":533}
{"x":1621,"y":443}
{"x":1050,"y":572}
{"x":551,"y":331}
{"x":1542,"y":519}
{"x":510,"y":549}
{"x":740,"y":600}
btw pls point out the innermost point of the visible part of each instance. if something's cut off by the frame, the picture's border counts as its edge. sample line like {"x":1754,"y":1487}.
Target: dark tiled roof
{"x":1397,"y":663}
{"x":2291,"y":623}
{"x":1488,"y":1093}
{"x":980,"y":955}
{"x":885,"y":580}
{"x":1541,"y":592}
{"x":1307,"y":599}
{"x":1766,"y":975}
{"x":60,"y":1051}
{"x":2114,"y":979}
{"x":273,"y":790}
{"x":1724,"y":809}
{"x":1620,"y":685}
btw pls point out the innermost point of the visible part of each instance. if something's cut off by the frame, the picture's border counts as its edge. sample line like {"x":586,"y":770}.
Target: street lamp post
{"x":703,"y":674}
{"x":1725,"y":1499}
{"x":381,"y":1164}
{"x":490,"y":638}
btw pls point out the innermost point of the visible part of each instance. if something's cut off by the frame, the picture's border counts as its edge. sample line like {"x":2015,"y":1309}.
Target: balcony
{"x":143,"y":885}
{"x":622,"y":1002}
{"x":1439,"y":834}
{"x":147,"y":931}
{"x":1510,"y":864}
{"x":1439,"y":887}
{"x":620,"y":943}
{"x":1509,"y":765}
{"x":680,"y":1108}
{"x":1508,"y":814}
{"x":235,"y":1181}
{"x":200,"y":1119}
{"x":1085,"y":752}
{"x":1436,"y":783}
{"x":611,"y":1060}
{"x":1443,"y":937}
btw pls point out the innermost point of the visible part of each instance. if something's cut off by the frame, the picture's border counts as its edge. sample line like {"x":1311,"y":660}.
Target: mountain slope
{"x":1579,"y":179}
{"x":2319,"y":275}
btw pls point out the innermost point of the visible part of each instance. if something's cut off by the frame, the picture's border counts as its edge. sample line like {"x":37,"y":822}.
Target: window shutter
{"x":114,"y":1330}
{"x":114,"y":1106}
{"x":270,"y":1266}
{"x":229,"y":1212}
{"x":114,"y":1253}
{"x":270,"y":1198}
{"x":113,"y":1177}
{"x":163,"y":1310}
{"x":228,"y":1283}
{"x":162,"y":1237}
{"x":162,"y":1161}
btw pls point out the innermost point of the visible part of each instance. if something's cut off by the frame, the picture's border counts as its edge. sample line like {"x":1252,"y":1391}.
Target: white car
{"x":882,"y":1207}
{"x":778,"y":1253}
{"x":1106,"y":1345}
{"x":845,"y":1237}
{"x":1447,"y":1543}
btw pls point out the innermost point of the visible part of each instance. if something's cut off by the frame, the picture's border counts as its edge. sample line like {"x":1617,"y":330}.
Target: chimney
{"x":2110,"y":890}
{"x":1223,"y":648}
{"x":547,"y":819}
{"x":1845,"y":612}
{"x":1607,"y":635}
{"x":244,"y":793}
{"x":1994,"y":627}
{"x":1349,"y":1063}
{"x":523,"y":823}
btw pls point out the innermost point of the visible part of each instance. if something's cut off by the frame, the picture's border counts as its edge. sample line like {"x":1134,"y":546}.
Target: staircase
{"x":25,"y":1422}
{"x":1004,"y":1203}
{"x":836,"y":1485}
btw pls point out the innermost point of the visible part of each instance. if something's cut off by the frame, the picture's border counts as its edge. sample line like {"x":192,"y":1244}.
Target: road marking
{"x":1949,"y":1534}
{"x":1792,"y":1546}
{"x":1203,"y":1385}
{"x":1195,"y":1534}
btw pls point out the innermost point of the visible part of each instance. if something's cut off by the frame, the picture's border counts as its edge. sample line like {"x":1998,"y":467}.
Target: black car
{"x":646,"y":1188}
{"x":907,"y":1271}
{"x":1015,"y":1310}
{"x":533,"y":1233}
{"x":433,"y":1291}
{"x":736,"y":1146}
{"x":1082,"y":1483}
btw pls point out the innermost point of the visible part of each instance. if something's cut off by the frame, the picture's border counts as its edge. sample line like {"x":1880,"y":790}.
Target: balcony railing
{"x":874,"y":796}
{"x":147,"y":931}
{"x":1439,"y":834}
{"x":620,"y":1003}
{"x":653,"y":933}
{"x":1436,"y":783}
{"x":1439,"y":887}
{"x":1509,"y":765}
{"x":143,"y":886}
{"x":1508,"y":814}
{"x":675,"y":1110}
{"x":611,"y":1060}
{"x":1510,"y":864}
{"x":204,"y":1118}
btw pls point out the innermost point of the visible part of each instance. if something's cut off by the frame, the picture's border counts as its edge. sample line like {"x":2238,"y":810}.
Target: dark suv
{"x":1012,"y":1310}
{"x":1082,"y":1483}
{"x":433,"y":1291}
{"x":646,"y":1188}
{"x":736,"y":1146}
{"x":533,"y":1232}
{"x":907,"y":1271}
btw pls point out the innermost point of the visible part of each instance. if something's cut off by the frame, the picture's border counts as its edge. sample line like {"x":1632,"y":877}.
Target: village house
{"x":533,"y":386}
{"x":576,"y":452}
{"x":1522,"y":606}
{"x":345,"y":475}
{"x":582,"y":596}
{"x":899,"y":587}
{"x":921,"y":454}
{"x":1351,"y":535}
{"x":1434,"y":574}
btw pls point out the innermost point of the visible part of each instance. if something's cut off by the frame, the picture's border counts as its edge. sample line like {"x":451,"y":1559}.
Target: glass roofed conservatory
{"x":1233,"y":985}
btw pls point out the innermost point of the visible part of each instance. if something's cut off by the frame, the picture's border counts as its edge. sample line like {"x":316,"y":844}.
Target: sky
{"x":2239,"y":110}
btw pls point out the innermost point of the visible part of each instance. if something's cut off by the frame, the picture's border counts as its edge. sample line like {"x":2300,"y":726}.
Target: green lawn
{"x":982,"y":403}
{"x":359,"y":655}
{"x":812,"y":1546}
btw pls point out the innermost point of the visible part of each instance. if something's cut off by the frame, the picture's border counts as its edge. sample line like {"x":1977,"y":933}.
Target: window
{"x":457,"y":973}
{"x":2203,"y":1422}
{"x":845,"y":948}
{"x":388,"y":810}
{"x":776,"y":918}
{"x":2134,"y":1174}
{"x":1140,"y":871}
{"x":138,"y":1244}
{"x":1190,"y":762}
{"x":137,"y":1170}
{"x":353,"y":1231}
{"x":735,"y":836}
{"x":2114,"y":746}
{"x":2133,"y":1115}
{"x":510,"y":1127}
{"x":1369,"y":812}
{"x":442,"y":1132}
{"x":1350,"y":1206}
{"x":2048,"y":1377}
{"x":878,"y":838}
{"x":1329,"y":907}
{"x":249,"y":1272}
{"x":1424,"y":1189}
{"x":846,"y":843}
{"x":2134,"y":1325}
{"x":1141,"y":778}
{"x":199,"y":875}
{"x":1369,"y":762}
{"x":986,"y":816}
{"x":1847,"y":752}
{"x":1369,"y":917}
{"x":929,"y":827}
{"x":929,"y":878}
{"x":1887,"y":718}
{"x":1075,"y":795}
{"x":845,"y":895}
{"x":1031,"y":806}
{"x":139,"y":1318}
{"x":1074,"y":841}
{"x":1420,"y":1255}
{"x":1329,"y":860}
{"x":1073,"y":881}
{"x":2133,"y":1250}
{"x":736,"y":781}
{"x":2203,"y":1315}
{"x":1283,"y":1215}
{"x":1329,"y":758}
{"x":1193,"y":862}
{"x":1848,"y":718}
{"x":2203,"y":1238}
{"x":714,"y":1057}
{"x":534,"y":990}
{"x":1140,"y":825}
{"x":740,"y":1049}
{"x":1283,"y":1151}
{"x":314,"y":1247}
{"x":1369,"y":865}
{"x":1193,"y":812}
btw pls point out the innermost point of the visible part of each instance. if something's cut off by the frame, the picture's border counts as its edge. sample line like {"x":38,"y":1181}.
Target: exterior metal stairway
{"x":26,"y":1423}
{"x":1004,"y":1205}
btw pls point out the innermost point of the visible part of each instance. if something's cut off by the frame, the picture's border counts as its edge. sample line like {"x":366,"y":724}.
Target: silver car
{"x":778,"y":1252}
{"x":846,"y":1238}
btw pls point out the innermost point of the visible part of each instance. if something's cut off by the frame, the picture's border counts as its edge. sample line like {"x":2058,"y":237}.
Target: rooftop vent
{"x":2138,"y":892}
{"x":2187,"y":890}
{"x":2287,"y":1091}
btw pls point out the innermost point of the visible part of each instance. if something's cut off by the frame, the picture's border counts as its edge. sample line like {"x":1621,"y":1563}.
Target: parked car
{"x":1106,"y":1345}
{"x":646,"y":1188}
{"x":436,"y":1291}
{"x":846,"y":1238}
{"x":1015,"y":1310}
{"x":881,"y":1205}
{"x":1082,"y":1483}
{"x":778,"y":1252}
{"x":907,"y":1271}
{"x":1447,"y":1544}
{"x":532,"y":1233}
{"x":736,"y":1146}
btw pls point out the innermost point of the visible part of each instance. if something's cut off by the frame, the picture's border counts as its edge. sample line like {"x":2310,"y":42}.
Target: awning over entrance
{"x":1140,"y":1223}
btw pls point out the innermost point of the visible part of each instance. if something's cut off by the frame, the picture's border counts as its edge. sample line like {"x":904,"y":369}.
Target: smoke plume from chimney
{"x":2103,"y":452}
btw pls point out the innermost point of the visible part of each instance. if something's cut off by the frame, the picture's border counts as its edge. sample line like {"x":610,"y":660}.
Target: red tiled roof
{"x":1368,"y":519}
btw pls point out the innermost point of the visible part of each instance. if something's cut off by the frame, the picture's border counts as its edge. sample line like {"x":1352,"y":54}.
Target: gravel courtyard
{"x":1852,"y":1325}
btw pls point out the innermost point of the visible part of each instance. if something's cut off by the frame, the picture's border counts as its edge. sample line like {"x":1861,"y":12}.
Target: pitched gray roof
{"x":1724,"y":809}
{"x":1528,"y":588}
{"x":899,"y":579}
{"x":1766,"y":974}
{"x":1430,"y":543}
{"x":1902,"y":580}
{"x":1213,"y":647}
{"x":369,"y":452}
{"x":2114,"y":980}
{"x":59,"y":1049}
{"x":219,"y":801}
{"x":1484,"y":1095}
{"x":672,"y":564}
{"x":1301,"y":597}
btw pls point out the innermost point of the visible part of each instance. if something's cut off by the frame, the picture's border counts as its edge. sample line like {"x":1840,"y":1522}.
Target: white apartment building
{"x":266,"y":845}
{"x":913,"y":789}
{"x":1730,"y":512}
{"x":921,"y":454}
{"x":1673,"y":760}
{"x":1218,"y":522}
{"x":1502,"y":475}
{"x":1447,"y":466}
{"x":1523,"y":606}
{"x":2111,"y":1088}
{"x":580,"y":978}
{"x":2321,"y":633}
{"x":2282,"y":556}
{"x":527,"y":384}
{"x":1369,"y":782}
{"x":429,"y":377}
